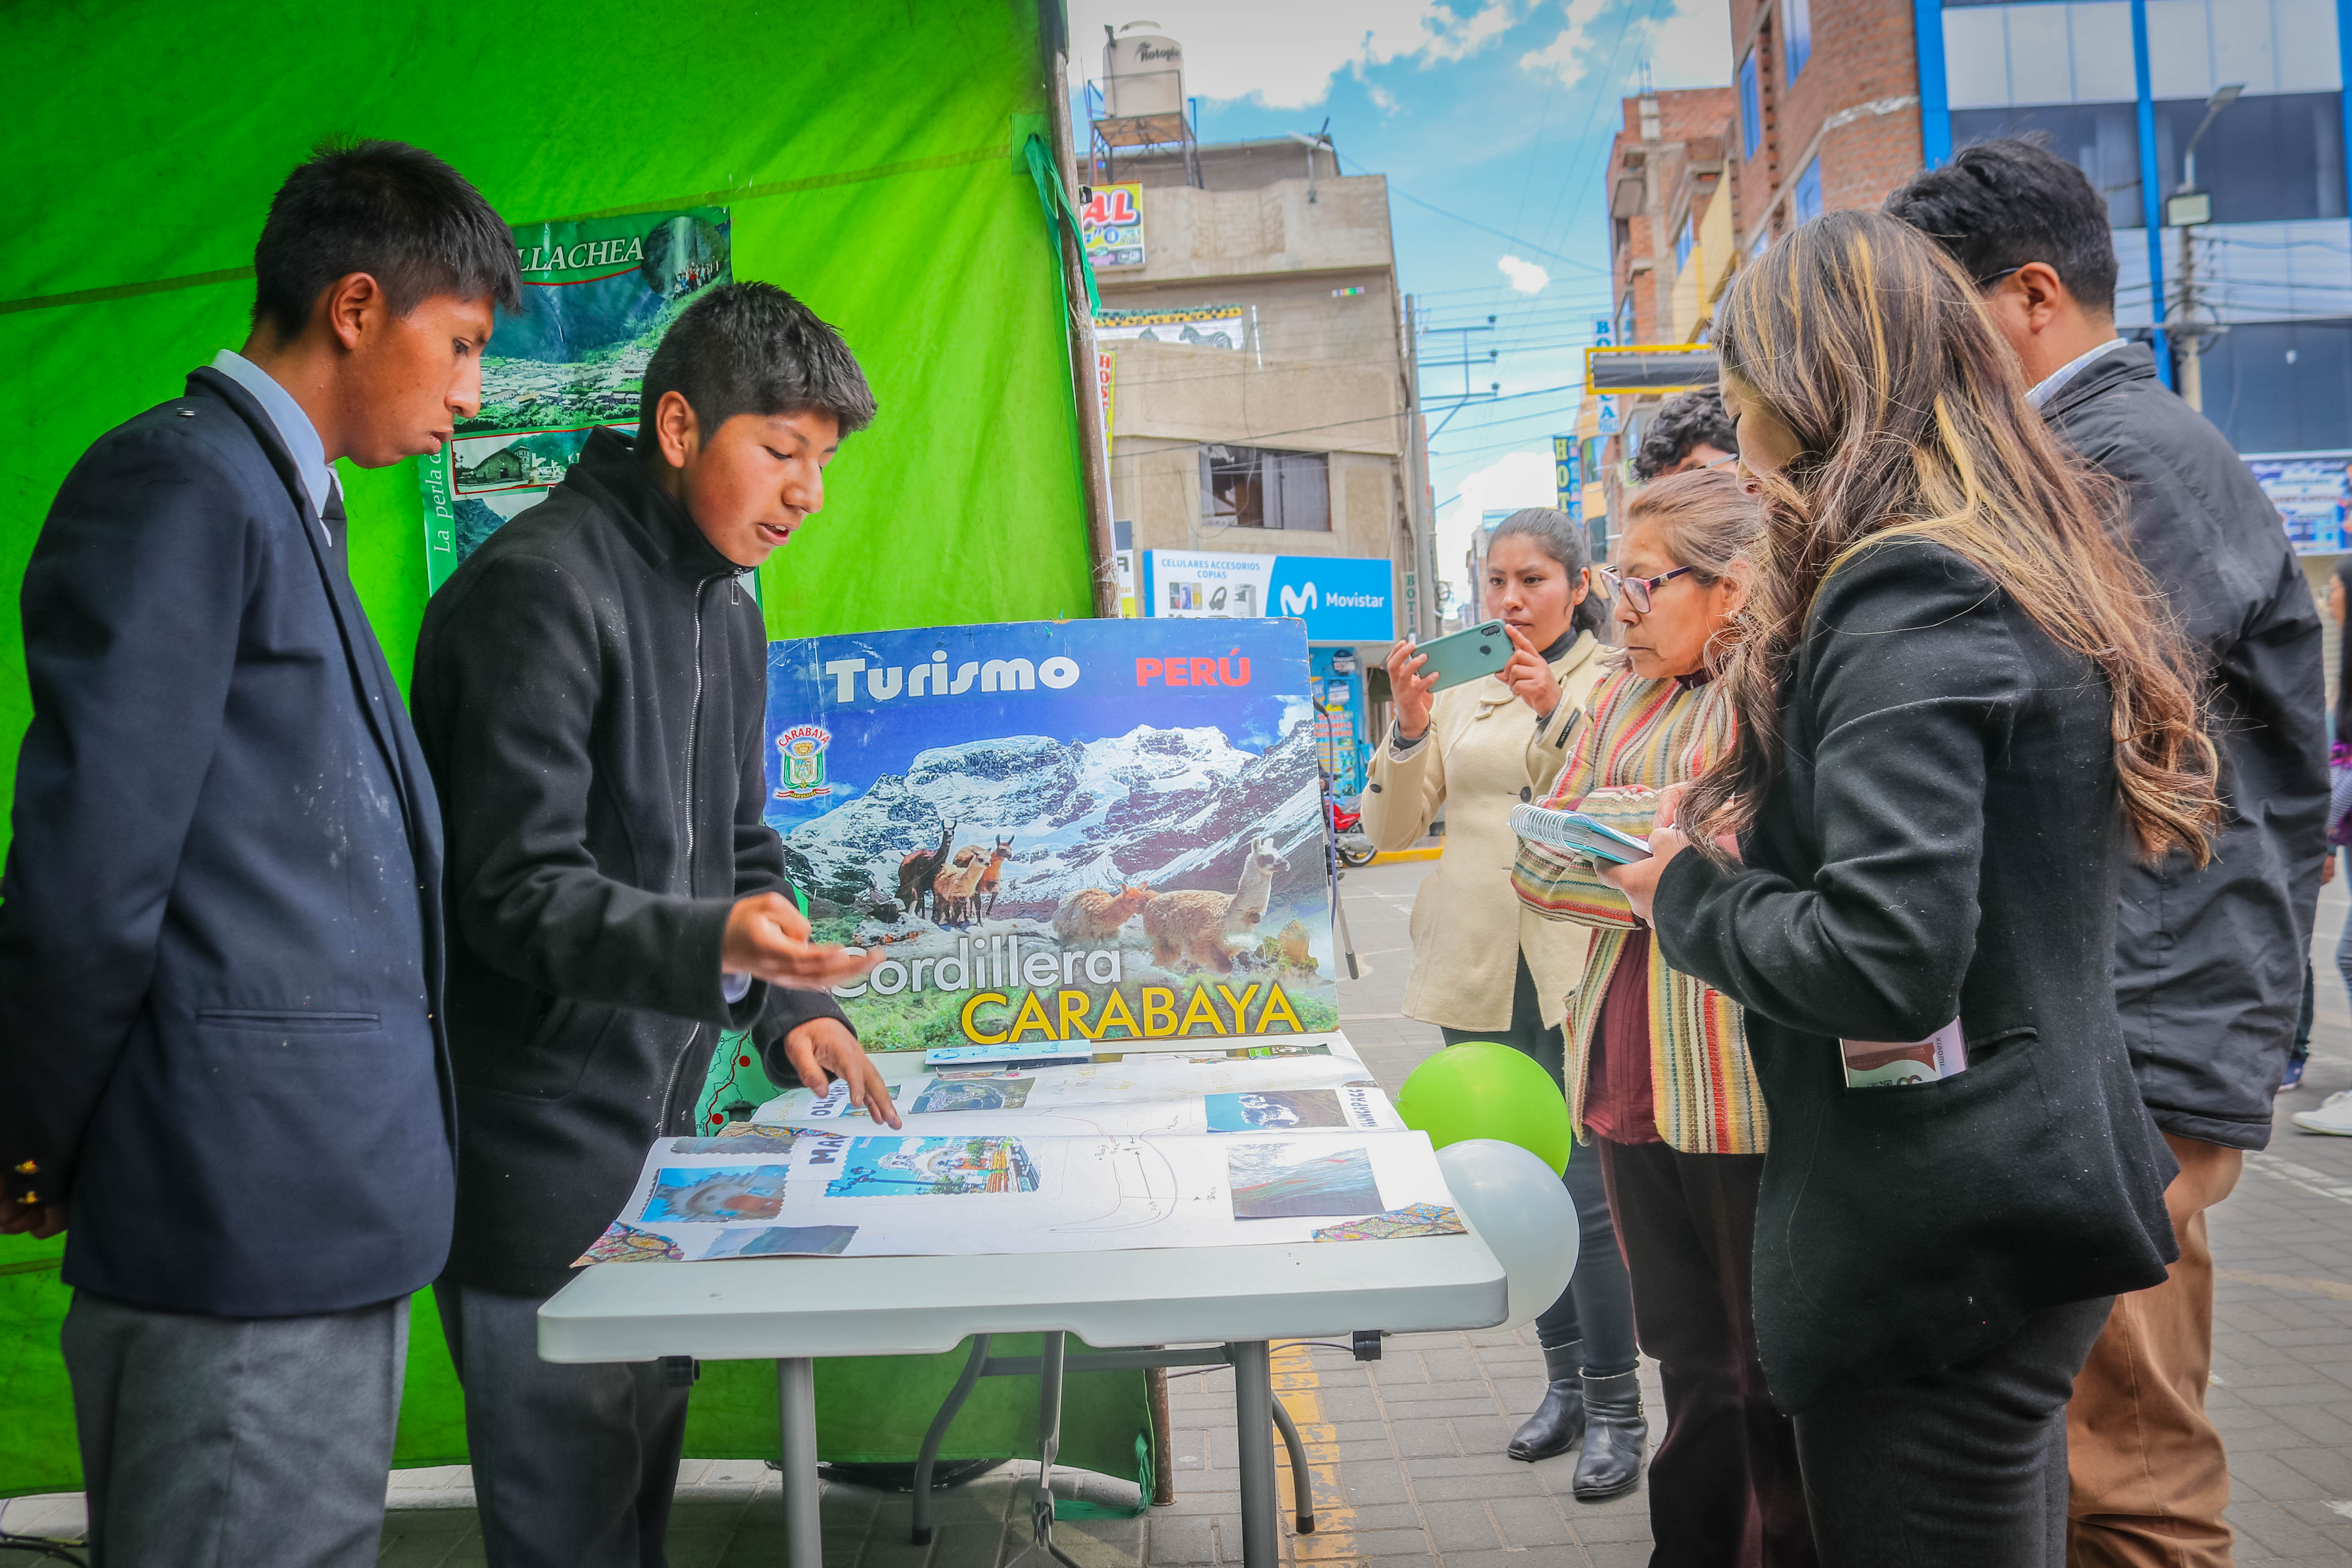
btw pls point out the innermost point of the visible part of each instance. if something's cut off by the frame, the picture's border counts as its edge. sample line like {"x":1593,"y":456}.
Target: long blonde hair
{"x":1872,"y":346}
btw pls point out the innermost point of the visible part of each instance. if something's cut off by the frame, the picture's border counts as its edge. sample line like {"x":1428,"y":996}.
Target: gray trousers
{"x":574,"y":1466}
{"x":234,"y":1442}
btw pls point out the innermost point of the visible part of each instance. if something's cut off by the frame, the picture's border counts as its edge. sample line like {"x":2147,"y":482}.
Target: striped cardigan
{"x":1641,"y":736}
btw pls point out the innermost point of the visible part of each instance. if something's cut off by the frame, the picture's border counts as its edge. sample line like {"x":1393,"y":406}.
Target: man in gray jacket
{"x":2209,"y":962}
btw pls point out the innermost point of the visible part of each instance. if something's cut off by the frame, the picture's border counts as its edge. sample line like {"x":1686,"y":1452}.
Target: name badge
{"x":1887,"y":1063}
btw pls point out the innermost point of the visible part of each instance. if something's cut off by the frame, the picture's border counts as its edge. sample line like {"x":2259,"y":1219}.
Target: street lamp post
{"x":2189,"y":209}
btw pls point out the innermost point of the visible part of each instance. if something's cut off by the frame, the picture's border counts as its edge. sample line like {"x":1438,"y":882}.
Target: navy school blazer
{"x":220,"y":944}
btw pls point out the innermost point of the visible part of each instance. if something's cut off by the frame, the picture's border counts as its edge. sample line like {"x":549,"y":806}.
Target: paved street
{"x":1406,"y":1453}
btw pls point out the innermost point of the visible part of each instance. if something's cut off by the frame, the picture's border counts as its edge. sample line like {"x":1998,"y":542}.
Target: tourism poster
{"x":869,"y":1193}
{"x":598,"y":295}
{"x":1104,"y":834}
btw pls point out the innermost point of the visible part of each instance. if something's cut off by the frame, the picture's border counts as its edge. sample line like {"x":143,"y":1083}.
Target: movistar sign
{"x":1342,"y":598}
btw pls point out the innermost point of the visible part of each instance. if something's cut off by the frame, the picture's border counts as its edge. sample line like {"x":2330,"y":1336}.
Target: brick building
{"x":1835,"y":103}
{"x":1829,"y":107}
{"x":1674,"y":195}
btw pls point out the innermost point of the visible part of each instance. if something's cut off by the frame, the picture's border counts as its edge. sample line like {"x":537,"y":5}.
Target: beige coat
{"x":1485,"y":751}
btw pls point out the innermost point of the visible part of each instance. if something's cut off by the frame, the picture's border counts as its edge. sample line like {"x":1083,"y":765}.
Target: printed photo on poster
{"x":932,"y":1167}
{"x":723,"y":1193}
{"x":1085,"y":834}
{"x":1292,"y":1181}
{"x":781,"y":1241}
{"x":1276,"y":1109}
{"x":598,"y":295}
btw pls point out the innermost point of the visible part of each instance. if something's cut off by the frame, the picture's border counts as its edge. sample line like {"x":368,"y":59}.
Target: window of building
{"x":1683,"y":242}
{"x":1809,"y":192}
{"x":1751,"y":107}
{"x":2274,"y":158}
{"x":1797,"y":16}
{"x":2100,"y":139}
{"x":2281,"y":387}
{"x":1249,"y":487}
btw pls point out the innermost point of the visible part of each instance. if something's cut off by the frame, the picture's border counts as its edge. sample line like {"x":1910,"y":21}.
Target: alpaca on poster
{"x":1196,"y":927}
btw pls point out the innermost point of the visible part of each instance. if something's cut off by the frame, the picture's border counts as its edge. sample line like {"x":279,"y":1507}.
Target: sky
{"x":1491,"y":120}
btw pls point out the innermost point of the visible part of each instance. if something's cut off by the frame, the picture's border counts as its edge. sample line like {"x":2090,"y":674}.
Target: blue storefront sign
{"x":1342,"y":598}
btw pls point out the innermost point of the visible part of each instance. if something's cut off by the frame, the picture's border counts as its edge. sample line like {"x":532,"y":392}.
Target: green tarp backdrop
{"x":870,"y":159}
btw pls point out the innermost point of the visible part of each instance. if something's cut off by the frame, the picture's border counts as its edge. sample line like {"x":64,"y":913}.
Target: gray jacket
{"x":2209,"y":963}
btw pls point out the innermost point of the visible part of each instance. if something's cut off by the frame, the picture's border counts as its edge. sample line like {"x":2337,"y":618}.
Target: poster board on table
{"x":1099,"y":833}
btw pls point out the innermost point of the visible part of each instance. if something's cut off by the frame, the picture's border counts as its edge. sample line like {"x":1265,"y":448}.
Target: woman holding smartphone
{"x":1482,"y":969}
{"x":1957,"y":711}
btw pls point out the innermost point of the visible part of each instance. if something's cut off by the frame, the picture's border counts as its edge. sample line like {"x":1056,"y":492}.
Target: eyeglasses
{"x":1989,"y":279}
{"x":1637,"y":590}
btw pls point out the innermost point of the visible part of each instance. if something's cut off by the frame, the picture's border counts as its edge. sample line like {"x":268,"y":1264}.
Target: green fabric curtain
{"x":873,"y":160}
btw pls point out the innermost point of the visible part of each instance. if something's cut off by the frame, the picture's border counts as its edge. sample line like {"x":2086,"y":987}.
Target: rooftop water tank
{"x":1143,"y":73}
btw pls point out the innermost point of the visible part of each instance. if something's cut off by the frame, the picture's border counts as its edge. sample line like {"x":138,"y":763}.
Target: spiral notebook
{"x":1578,"y":834}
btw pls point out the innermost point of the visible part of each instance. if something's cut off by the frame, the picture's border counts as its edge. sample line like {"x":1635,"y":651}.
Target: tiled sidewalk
{"x":1406,"y":1453}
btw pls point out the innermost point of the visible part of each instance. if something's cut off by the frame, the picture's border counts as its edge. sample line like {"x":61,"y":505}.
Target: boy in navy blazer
{"x":223,"y":1066}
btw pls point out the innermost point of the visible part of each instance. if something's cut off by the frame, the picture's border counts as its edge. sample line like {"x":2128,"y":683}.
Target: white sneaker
{"x":2335,"y":1115}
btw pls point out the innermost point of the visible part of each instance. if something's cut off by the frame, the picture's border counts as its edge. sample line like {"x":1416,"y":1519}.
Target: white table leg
{"x":796,"y":1404}
{"x":1254,"y":1436}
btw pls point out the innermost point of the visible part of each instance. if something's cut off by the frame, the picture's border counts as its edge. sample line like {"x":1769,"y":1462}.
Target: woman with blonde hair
{"x":1658,"y":1077}
{"x":1957,"y":711}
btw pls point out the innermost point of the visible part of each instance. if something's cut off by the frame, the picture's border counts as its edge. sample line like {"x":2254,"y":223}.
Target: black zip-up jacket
{"x":589,"y":692}
{"x":2209,"y":963}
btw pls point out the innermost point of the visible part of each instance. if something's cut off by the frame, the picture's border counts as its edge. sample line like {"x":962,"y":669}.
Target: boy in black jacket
{"x":589,"y":693}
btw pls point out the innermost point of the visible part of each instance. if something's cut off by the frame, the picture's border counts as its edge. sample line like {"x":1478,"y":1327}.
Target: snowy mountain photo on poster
{"x":1060,"y":831}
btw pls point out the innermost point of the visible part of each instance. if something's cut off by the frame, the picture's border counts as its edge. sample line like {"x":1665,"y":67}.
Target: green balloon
{"x":1482,"y":1090}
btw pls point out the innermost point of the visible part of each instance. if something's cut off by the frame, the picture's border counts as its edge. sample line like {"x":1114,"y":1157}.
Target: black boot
{"x":1559,"y":1421}
{"x":1614,"y":1436}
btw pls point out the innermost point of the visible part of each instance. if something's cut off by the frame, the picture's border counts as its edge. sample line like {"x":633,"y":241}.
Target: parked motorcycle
{"x":1347,"y":835}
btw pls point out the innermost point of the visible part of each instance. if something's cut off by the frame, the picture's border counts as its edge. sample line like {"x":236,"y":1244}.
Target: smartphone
{"x":1465,"y":655}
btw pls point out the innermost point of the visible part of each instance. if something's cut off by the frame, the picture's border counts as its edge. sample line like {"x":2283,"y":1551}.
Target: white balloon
{"x":1520,"y":1209}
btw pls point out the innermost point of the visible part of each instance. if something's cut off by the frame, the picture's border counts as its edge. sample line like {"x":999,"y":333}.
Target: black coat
{"x":2209,"y":963}
{"x":590,"y":689}
{"x":1944,"y":841}
{"x":220,"y":944}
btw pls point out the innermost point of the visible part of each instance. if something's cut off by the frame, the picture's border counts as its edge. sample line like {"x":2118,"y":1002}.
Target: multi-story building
{"x":2247,"y":290}
{"x":1262,"y":405}
{"x":1674,"y":195}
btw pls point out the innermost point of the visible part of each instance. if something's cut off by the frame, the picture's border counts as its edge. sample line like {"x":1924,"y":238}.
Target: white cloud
{"x":1693,"y":47}
{"x":1511,"y":481}
{"x":1525,"y":277}
{"x":1689,"y":47}
{"x":1564,"y":55}
{"x":1283,"y":53}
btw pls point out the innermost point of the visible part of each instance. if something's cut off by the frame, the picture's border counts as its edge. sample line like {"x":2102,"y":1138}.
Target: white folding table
{"x":795,"y":1309}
